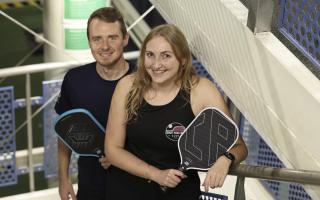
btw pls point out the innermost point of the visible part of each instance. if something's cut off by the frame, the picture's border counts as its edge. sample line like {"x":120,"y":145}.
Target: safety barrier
{"x":259,"y":153}
{"x":300,"y":22}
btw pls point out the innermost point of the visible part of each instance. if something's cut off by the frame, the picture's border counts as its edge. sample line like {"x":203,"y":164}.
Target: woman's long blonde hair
{"x":186,"y":73}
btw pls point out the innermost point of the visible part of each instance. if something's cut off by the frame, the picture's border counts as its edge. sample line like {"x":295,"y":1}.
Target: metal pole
{"x":29,"y":131}
{"x":260,"y":15}
{"x":42,"y":67}
{"x":130,"y":14}
{"x":239,"y":193}
{"x":277,"y":174}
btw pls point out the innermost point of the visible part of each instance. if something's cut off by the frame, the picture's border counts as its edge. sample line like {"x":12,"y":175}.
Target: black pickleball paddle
{"x":81,"y":132}
{"x":207,"y":137}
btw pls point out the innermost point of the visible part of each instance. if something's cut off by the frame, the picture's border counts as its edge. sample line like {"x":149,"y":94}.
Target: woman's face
{"x":160,"y":61}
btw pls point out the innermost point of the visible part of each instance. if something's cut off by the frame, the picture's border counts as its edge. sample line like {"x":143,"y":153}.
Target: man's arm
{"x":65,"y":184}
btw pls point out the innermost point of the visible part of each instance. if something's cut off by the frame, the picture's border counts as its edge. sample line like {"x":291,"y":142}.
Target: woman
{"x":164,"y":93}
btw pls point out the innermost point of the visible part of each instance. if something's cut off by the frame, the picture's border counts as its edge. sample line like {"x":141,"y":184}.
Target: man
{"x":91,"y":87}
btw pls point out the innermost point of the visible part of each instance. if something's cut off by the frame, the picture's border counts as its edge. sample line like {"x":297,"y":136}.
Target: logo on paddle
{"x":174,"y":130}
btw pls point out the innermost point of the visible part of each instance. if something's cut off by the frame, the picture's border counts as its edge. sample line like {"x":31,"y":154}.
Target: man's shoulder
{"x":83,"y":69}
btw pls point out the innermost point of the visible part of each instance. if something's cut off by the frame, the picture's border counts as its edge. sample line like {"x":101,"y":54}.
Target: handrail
{"x":244,"y":170}
{"x":277,"y":174}
{"x":14,"y":71}
{"x":270,"y":173}
{"x":241,"y":171}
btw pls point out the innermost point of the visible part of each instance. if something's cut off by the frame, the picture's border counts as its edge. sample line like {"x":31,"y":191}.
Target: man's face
{"x":106,"y":42}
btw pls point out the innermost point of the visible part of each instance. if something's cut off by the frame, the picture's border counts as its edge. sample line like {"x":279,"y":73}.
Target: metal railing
{"x":241,"y":171}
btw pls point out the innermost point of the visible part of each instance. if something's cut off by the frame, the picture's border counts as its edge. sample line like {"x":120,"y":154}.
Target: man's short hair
{"x":110,"y":15}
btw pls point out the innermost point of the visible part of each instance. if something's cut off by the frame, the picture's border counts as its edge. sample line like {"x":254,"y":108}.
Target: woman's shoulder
{"x":126,"y":82}
{"x":204,"y":94}
{"x":128,"y":78}
{"x":203,"y":85}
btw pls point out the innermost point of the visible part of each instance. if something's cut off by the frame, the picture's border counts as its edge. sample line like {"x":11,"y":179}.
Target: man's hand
{"x":66,"y":191}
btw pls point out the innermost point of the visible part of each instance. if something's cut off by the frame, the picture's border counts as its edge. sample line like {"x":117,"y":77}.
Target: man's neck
{"x":113,"y":72}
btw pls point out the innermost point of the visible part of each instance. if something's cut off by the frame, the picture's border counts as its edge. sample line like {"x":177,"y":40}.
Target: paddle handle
{"x":165,"y":189}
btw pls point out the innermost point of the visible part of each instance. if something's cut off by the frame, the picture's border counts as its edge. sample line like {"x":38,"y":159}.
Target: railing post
{"x":260,"y":15}
{"x":239,"y":193}
{"x":29,"y":132}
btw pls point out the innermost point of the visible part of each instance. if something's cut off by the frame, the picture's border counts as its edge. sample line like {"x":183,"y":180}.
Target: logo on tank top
{"x":174,"y":130}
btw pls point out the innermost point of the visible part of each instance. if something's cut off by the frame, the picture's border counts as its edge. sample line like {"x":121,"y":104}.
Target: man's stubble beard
{"x":112,"y":64}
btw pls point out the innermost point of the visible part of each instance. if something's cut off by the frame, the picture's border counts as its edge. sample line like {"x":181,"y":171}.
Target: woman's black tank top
{"x":153,"y":136}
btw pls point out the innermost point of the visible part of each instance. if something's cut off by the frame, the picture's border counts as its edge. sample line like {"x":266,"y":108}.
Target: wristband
{"x":229,"y":155}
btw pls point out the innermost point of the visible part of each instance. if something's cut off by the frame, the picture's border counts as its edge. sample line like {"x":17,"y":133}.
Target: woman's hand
{"x":217,"y":173}
{"x":104,"y":162}
{"x":169,"y":177}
